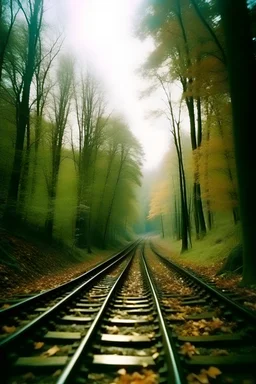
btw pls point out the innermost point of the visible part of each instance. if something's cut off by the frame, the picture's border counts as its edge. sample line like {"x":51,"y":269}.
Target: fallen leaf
{"x":213,"y":372}
{"x":7,"y":329}
{"x":38,"y":344}
{"x":28,"y":376}
{"x":202,"y":378}
{"x":121,"y":371}
{"x":188,"y":349}
{"x":4,"y":306}
{"x":51,"y":351}
{"x":56,"y":373}
{"x":113,"y":330}
{"x":190,"y":377}
{"x":219,"y":352}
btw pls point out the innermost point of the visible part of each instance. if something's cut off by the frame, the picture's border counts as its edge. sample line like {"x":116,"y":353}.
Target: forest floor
{"x":207,"y":257}
{"x":29,"y":267}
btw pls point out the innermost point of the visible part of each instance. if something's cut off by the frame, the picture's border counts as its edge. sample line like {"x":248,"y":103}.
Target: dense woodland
{"x":197,"y":63}
{"x":69,"y":165}
{"x":71,"y":169}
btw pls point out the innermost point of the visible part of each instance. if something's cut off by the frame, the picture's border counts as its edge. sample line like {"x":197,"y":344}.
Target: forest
{"x":71,"y":166}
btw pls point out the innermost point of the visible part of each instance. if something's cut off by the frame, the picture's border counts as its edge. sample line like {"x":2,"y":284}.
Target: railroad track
{"x":20,"y":316}
{"x":130,"y":324}
{"x":113,"y":327}
{"x":21,"y":302}
{"x":214,"y":336}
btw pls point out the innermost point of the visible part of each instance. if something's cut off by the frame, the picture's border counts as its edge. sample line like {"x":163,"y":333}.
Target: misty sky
{"x":100,"y":33}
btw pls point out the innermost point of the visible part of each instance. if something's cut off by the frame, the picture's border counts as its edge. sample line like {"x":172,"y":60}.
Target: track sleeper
{"x":223,"y":360}
{"x":55,"y":361}
{"x":211,"y":339}
{"x":125,"y":338}
{"x":123,"y":361}
{"x":63,"y":335}
{"x":77,"y":318}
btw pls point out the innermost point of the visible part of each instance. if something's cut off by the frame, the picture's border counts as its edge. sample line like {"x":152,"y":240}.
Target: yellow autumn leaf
{"x":213,"y":372}
{"x":52,"y":351}
{"x":38,"y":344}
{"x":7,"y":329}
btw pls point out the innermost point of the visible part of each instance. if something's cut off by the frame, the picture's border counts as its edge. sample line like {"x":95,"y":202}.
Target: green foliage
{"x":84,"y":181}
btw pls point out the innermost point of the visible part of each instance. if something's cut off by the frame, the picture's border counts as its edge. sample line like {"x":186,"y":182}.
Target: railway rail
{"x":24,"y":301}
{"x":17,"y":321}
{"x":34,"y":345}
{"x":21,"y":316}
{"x":113,"y":324}
{"x":139,"y":318}
{"x":213,"y":334}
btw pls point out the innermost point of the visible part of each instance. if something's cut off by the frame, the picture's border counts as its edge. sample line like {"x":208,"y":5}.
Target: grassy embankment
{"x":213,"y":249}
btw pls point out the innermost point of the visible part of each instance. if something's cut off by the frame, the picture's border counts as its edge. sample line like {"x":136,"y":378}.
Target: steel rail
{"x":28,"y":327}
{"x":173,"y":364}
{"x":21,"y":304}
{"x":71,"y":367}
{"x":246,"y":312}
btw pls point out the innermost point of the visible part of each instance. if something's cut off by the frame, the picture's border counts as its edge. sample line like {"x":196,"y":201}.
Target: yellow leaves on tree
{"x":217,"y":170}
{"x":159,"y":204}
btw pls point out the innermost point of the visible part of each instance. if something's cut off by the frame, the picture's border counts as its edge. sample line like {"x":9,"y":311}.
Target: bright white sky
{"x":100,"y":32}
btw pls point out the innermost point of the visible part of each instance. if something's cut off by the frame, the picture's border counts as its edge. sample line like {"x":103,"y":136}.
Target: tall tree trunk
{"x":102,"y":198}
{"x":162,"y":225}
{"x":233,"y":193}
{"x":195,"y":205}
{"x":242,"y":80}
{"x":38,"y":127}
{"x":186,"y":83}
{"x":198,"y":186}
{"x":4,"y":41}
{"x":184,"y":225}
{"x":206,"y":175}
{"x":50,"y":214}
{"x":209,"y":214}
{"x":23,"y":115}
{"x":176,"y":219}
{"x":112,"y":201}
{"x":83,"y":203}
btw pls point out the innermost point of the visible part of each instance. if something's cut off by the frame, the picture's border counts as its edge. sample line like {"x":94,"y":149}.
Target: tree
{"x":61,"y":109}
{"x":129,"y":156}
{"x":33,"y":13}
{"x":242,"y":79}
{"x":8,"y":15}
{"x":158,"y":203}
{"x":90,"y":107}
{"x":44,"y":61}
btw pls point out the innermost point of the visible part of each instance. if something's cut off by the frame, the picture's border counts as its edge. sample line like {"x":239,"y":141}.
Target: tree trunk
{"x":196,"y":216}
{"x":112,"y":201}
{"x":50,"y":216}
{"x":209,"y":214}
{"x":162,"y":225}
{"x":23,"y":115}
{"x":200,"y":210}
{"x":242,"y":80}
{"x":10,"y":213}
